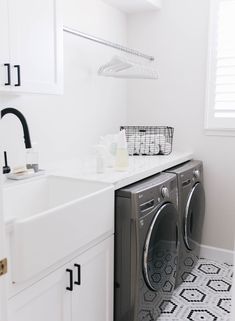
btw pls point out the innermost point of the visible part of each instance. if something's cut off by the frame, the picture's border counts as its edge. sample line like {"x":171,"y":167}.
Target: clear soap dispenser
{"x":122,"y":157}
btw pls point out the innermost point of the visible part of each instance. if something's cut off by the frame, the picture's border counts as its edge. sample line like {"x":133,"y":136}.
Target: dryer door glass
{"x":161,"y":249}
{"x":194,"y":216}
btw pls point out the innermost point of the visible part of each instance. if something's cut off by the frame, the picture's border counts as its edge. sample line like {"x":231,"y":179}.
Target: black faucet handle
{"x":6,"y":169}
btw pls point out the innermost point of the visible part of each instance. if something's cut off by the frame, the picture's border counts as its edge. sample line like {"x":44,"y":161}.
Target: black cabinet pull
{"x":8,"y":83}
{"x":18,"y":75}
{"x":78,"y":282}
{"x":70,"y":287}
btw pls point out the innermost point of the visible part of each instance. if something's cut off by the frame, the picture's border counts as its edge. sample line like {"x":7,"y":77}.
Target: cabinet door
{"x":46,"y":300}
{"x":3,"y":280}
{"x":4,"y":52}
{"x":36,"y":39}
{"x":93,"y":298}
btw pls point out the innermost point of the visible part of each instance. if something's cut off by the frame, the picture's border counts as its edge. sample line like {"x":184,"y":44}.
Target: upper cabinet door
{"x":4,"y":52}
{"x":36,"y":46}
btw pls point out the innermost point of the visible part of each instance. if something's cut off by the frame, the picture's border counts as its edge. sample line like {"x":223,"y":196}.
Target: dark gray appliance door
{"x":161,"y":249}
{"x":194,"y":217}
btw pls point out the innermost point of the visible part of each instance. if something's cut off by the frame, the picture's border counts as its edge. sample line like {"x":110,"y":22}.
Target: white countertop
{"x":140,"y":167}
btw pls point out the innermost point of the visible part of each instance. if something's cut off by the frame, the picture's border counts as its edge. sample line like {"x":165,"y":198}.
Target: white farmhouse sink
{"x":53,"y":217}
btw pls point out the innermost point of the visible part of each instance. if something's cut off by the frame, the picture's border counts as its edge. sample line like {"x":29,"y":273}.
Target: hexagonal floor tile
{"x":167,"y":287}
{"x":168,"y":269}
{"x":188,"y":277}
{"x":145,"y":315}
{"x":189,"y":262}
{"x":150,"y":296}
{"x":219,"y":285}
{"x":158,"y":264}
{"x":209,"y":269}
{"x":192,"y":295}
{"x":156,"y":277}
{"x":168,"y":307}
{"x":201,"y":315}
{"x":225,"y":304}
{"x":168,"y":257}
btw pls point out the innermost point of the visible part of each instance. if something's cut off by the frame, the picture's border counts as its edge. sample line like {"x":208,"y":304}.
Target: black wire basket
{"x":149,"y":140}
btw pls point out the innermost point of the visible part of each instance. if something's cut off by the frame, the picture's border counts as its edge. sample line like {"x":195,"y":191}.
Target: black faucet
{"x":23,"y":121}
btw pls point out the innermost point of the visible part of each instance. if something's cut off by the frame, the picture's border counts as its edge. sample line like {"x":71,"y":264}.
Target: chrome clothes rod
{"x":108,"y":43}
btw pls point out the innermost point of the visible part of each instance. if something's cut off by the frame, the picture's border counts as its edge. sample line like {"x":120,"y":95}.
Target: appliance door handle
{"x":18,"y":75}
{"x":8,"y":83}
{"x":78,"y":266}
{"x":70,"y":287}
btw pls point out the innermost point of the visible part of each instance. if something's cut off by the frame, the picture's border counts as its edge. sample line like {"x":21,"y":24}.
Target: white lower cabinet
{"x":93,"y":298}
{"x":46,"y":300}
{"x":80,"y":290}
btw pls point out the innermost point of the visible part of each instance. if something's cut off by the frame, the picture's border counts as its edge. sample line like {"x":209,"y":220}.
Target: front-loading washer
{"x":146,"y":247}
{"x":191,"y":206}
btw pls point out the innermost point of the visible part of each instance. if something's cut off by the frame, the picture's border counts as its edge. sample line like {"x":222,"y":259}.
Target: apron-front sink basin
{"x":52,"y":218}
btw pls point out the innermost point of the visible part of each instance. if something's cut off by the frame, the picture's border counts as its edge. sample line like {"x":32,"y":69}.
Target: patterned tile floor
{"x":205,"y":294}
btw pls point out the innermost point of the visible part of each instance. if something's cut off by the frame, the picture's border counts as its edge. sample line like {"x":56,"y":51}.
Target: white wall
{"x":177,"y":37}
{"x":69,"y":125}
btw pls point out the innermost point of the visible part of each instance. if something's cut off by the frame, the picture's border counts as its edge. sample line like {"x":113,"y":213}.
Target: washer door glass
{"x":194,"y":216}
{"x":161,"y":249}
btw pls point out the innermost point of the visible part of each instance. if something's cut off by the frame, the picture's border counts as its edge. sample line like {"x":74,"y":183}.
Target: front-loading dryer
{"x":146,"y":247}
{"x":191,"y":206}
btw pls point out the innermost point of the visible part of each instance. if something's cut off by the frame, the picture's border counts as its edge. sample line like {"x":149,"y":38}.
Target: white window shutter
{"x":221,"y":66}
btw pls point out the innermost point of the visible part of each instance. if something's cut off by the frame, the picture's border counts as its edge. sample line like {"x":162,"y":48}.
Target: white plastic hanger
{"x":121,"y":67}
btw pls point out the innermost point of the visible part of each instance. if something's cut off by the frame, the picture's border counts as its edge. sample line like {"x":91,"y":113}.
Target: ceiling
{"x":131,"y":6}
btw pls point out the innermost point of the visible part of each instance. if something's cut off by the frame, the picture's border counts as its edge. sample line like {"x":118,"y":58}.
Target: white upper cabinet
{"x":5,"y":48}
{"x":132,"y":6}
{"x":33,"y":46}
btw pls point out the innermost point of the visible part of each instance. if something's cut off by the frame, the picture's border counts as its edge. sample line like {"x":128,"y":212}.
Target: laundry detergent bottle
{"x":122,"y":157}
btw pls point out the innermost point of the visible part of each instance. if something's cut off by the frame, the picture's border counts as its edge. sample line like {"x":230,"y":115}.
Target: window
{"x":220,"y":111}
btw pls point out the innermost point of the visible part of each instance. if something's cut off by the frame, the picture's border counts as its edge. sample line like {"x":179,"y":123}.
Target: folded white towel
{"x":156,"y":149}
{"x":151,"y":149}
{"x":143,"y":149}
{"x":165,"y":148}
{"x":160,"y":139}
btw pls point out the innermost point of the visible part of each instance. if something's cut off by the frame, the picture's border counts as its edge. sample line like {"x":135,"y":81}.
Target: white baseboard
{"x":217,"y":254}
